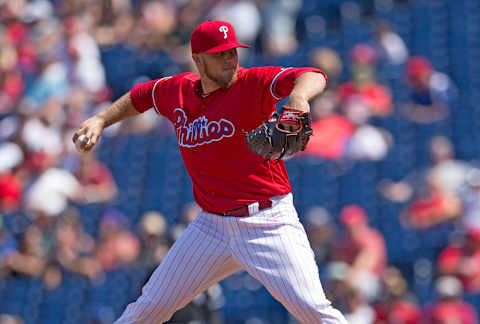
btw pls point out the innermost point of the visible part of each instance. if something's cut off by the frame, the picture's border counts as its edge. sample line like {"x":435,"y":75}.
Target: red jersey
{"x":210,"y":132}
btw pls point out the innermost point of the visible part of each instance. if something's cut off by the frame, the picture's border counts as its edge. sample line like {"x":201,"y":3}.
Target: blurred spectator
{"x":117,"y":246}
{"x":449,"y":307}
{"x":334,"y":128}
{"x":347,"y":135}
{"x":8,"y":246}
{"x":279,"y":18}
{"x":10,"y":319}
{"x":78,"y":105}
{"x":32,"y":257}
{"x":88,"y":71}
{"x":204,"y":308}
{"x":327,"y":60}
{"x":369,"y":143}
{"x":395,"y":306}
{"x":432,"y":92}
{"x":11,"y":188}
{"x":336,"y":137}
{"x":462,"y":260}
{"x":243,"y":15}
{"x":157,"y":22}
{"x":435,"y":191}
{"x":52,"y":84}
{"x":11,"y":155}
{"x":9,"y":126}
{"x":434,"y":208}
{"x":189,"y":212}
{"x":73,"y":247}
{"x":389,"y":45}
{"x":42,"y":133}
{"x":331,"y":131}
{"x":470,"y":196}
{"x":362,"y":98}
{"x":145,"y":123}
{"x":96,"y":180}
{"x":363,"y":248}
{"x":320,"y":232}
{"x":154,"y":239}
{"x":117,"y":32}
{"x":58,"y":185}
{"x":447,"y":173}
{"x":336,"y":275}
{"x":189,"y":14}
{"x":358,"y":310}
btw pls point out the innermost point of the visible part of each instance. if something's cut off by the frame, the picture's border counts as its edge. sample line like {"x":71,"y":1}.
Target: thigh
{"x":198,"y":259}
{"x":274,"y":248}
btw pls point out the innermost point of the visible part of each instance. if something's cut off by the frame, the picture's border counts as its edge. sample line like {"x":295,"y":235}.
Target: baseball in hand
{"x":80,"y":143}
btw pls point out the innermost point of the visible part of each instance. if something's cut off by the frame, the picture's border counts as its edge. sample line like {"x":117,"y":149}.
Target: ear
{"x":196,"y":58}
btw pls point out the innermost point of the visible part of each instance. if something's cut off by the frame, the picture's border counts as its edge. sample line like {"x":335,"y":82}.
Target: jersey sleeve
{"x":278,"y":82}
{"x":146,"y":95}
{"x":282,"y":84}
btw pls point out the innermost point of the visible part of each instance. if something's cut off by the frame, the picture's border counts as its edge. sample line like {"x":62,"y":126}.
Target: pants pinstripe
{"x":270,"y":244}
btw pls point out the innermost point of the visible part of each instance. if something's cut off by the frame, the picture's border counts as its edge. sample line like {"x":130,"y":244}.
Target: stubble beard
{"x":224,"y":83}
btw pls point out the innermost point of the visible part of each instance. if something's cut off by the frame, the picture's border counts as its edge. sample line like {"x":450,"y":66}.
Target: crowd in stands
{"x":62,"y":61}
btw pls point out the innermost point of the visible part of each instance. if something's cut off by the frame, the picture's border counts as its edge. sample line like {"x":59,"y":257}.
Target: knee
{"x":146,"y":311}
{"x":330,"y":315}
{"x":319,"y":313}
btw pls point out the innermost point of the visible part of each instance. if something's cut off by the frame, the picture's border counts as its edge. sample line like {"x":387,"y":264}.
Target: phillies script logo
{"x":201,"y":130}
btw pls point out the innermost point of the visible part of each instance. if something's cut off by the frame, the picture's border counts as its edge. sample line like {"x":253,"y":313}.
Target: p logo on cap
{"x":224,"y":29}
{"x":213,"y":37}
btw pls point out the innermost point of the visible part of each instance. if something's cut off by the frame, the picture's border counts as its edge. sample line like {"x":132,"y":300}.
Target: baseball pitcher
{"x":233,"y":144}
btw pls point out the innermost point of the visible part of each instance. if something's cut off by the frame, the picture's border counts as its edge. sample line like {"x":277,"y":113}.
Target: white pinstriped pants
{"x":270,"y":244}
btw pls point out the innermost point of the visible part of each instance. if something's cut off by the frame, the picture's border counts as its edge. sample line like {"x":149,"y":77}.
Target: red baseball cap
{"x":213,"y":37}
{"x":352,"y":215}
{"x":417,"y":66}
{"x":363,"y":53}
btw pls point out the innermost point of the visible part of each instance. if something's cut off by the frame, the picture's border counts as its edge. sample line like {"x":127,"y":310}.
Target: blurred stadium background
{"x":389,"y":190}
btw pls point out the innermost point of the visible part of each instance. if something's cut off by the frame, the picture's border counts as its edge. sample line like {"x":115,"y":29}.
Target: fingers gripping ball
{"x":282,"y":136}
{"x":81,"y":142}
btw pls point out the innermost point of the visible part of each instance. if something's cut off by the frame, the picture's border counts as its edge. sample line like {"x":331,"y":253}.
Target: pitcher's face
{"x":219,"y":67}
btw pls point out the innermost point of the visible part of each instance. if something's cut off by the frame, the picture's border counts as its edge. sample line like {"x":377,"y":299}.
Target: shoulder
{"x":185,"y":77}
{"x":169,"y":83}
{"x":178,"y":78}
{"x":262,"y":70}
{"x":264,"y":76}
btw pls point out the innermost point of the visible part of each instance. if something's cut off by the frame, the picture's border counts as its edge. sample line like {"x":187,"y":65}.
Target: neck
{"x":208,"y":85}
